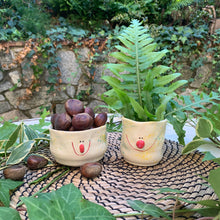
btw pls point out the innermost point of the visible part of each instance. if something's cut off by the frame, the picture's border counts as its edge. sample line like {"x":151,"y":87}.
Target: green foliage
{"x":17,"y":141}
{"x":5,"y":186}
{"x":9,"y":213}
{"x":148,"y":209}
{"x":207,"y":130}
{"x":143,"y":91}
{"x":64,"y":203}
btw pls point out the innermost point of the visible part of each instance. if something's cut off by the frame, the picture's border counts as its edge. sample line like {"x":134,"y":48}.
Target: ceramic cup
{"x":75,"y":148}
{"x":142,"y":142}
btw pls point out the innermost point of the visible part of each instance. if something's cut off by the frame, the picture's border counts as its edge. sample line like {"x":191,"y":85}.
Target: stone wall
{"x":19,"y":99}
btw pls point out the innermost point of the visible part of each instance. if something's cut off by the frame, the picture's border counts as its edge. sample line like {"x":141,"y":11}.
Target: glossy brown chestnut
{"x":36,"y":162}
{"x":100,"y":119}
{"x":89,"y":111}
{"x":82,"y":121}
{"x":74,"y":106}
{"x":15,"y":172}
{"x":52,"y":119}
{"x":62,"y":122}
{"x":91,"y":170}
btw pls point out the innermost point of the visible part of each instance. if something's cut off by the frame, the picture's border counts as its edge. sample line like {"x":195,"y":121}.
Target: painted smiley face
{"x":140,"y":144}
{"x":81,"y":149}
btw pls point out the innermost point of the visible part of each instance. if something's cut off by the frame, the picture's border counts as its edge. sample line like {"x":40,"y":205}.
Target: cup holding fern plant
{"x":140,"y":91}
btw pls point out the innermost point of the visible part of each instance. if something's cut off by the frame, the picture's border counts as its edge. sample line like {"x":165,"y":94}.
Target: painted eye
{"x":140,"y":144}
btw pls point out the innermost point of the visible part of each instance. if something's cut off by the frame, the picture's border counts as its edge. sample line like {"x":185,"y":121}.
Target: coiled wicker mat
{"x":121,"y":181}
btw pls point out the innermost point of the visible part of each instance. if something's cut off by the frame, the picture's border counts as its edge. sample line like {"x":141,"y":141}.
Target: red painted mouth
{"x":81,"y":149}
{"x":140,"y":144}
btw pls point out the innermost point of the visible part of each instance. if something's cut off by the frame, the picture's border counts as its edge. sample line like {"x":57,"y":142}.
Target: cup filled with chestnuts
{"x":78,"y":135}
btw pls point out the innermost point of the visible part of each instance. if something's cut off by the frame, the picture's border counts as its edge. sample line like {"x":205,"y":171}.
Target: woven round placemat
{"x":121,"y":181}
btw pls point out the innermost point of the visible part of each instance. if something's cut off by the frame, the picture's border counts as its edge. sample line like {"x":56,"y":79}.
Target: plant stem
{"x":46,"y":175}
{"x":141,"y":213}
{"x":45,"y":187}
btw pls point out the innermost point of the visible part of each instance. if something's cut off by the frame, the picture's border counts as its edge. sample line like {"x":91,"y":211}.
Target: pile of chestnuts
{"x":77,"y":117}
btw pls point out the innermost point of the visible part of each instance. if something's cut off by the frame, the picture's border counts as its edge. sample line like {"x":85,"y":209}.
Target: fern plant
{"x":143,"y":91}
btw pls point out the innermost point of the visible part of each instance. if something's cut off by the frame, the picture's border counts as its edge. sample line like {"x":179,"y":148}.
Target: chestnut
{"x":62,"y":122}
{"x":100,"y":119}
{"x":15,"y":172}
{"x":74,"y":106}
{"x":52,"y":119}
{"x":36,"y":162}
{"x":71,"y":128}
{"x":91,"y":170}
{"x":82,"y":121}
{"x":89,"y":111}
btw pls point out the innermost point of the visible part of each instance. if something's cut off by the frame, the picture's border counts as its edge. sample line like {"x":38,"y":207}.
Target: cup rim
{"x":77,"y":132}
{"x":142,"y":122}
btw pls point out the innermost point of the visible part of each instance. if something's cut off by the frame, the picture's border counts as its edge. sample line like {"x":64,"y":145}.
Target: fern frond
{"x":138,"y":76}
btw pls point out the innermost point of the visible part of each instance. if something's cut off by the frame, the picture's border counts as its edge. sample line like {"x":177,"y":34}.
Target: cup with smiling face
{"x":75,"y":148}
{"x":142,"y":142}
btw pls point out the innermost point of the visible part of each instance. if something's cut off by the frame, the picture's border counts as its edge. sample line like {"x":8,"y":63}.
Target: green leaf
{"x":204,"y":128}
{"x":89,"y":210}
{"x":5,"y":186}
{"x":138,"y":109}
{"x":30,"y":133}
{"x":13,"y":137}
{"x":9,"y":213}
{"x":163,"y":80}
{"x":149,"y":209}
{"x":209,"y":203}
{"x":6,"y":130}
{"x":208,"y":212}
{"x":160,"y":111}
{"x":167,"y":189}
{"x":208,"y":156}
{"x":214,"y":180}
{"x":20,"y":152}
{"x":193,"y":145}
{"x":66,"y":203}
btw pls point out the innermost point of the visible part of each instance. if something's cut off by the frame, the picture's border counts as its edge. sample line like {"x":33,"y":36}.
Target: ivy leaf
{"x":89,"y":210}
{"x":9,"y":213}
{"x":149,"y":209}
{"x":65,"y":203}
{"x":5,"y":186}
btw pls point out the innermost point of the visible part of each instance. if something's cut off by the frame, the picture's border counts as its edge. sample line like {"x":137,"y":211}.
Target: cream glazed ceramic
{"x":142,"y":142}
{"x":75,"y":148}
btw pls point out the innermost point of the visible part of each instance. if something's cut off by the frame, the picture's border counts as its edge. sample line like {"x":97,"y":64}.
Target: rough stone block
{"x":4,"y":107}
{"x":69,"y":67}
{"x":15,"y":78}
{"x":4,"y":86}
{"x":13,"y":115}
